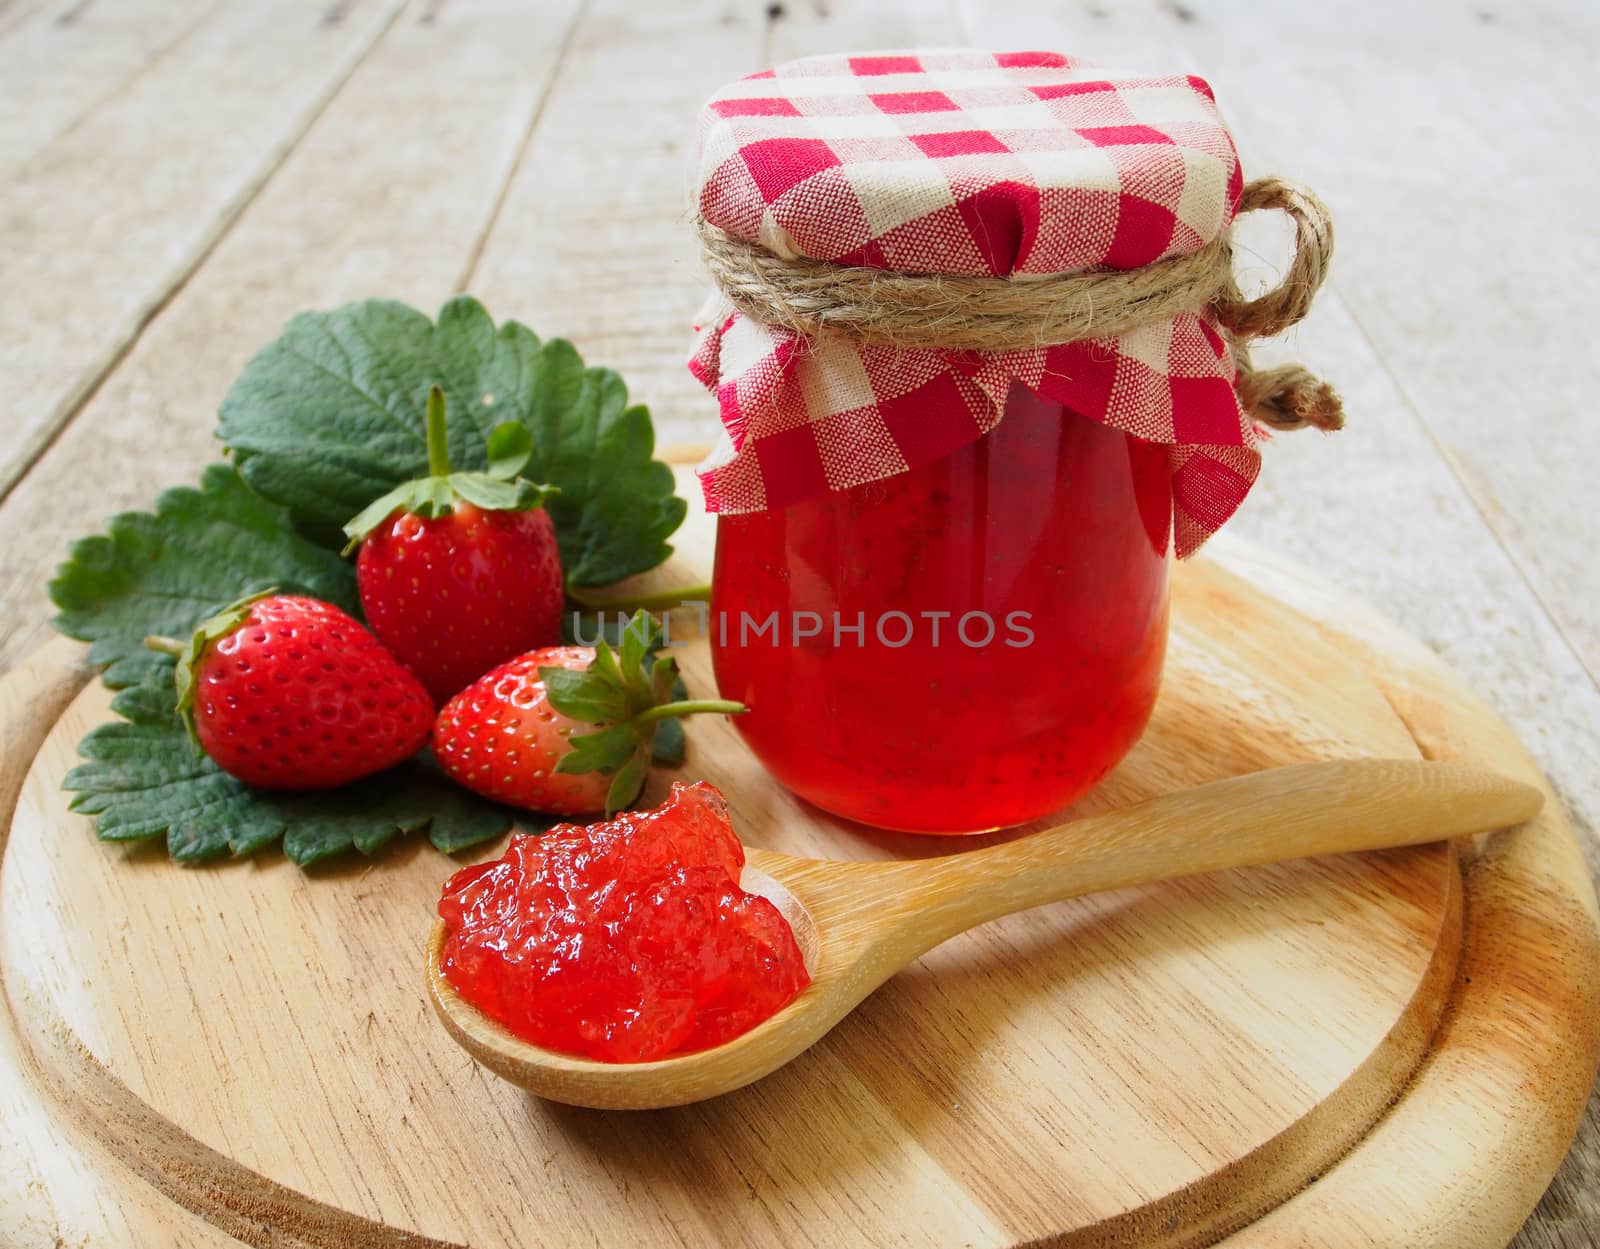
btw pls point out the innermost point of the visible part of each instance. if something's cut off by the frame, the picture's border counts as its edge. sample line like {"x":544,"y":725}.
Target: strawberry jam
{"x":968,"y":645}
{"x":625,"y":941}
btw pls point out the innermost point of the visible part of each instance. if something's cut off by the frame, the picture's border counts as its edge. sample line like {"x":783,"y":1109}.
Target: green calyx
{"x":188,"y":653}
{"x":629,"y":691}
{"x":497,"y":489}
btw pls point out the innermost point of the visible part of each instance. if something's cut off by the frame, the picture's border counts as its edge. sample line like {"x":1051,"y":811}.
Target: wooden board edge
{"x":231,"y":1197}
{"x":32,"y":697}
{"x":59,"y":1188}
{"x":126,"y":1140}
{"x":1263,"y":1179}
{"x":1530,"y":928}
{"x":1523,"y":1020}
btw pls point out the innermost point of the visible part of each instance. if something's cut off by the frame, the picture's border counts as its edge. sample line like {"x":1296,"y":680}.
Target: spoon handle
{"x":1293,"y":812}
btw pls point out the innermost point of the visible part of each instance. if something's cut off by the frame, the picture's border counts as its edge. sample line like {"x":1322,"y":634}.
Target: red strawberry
{"x":565,"y":729}
{"x":287,"y":692}
{"x":460,"y":571}
{"x":501,"y":738}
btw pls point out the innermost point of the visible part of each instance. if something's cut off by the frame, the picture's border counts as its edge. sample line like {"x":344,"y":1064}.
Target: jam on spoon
{"x":626,"y":941}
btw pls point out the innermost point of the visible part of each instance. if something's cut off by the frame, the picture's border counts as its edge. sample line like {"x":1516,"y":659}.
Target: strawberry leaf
{"x":605,"y":667}
{"x":634,"y":646}
{"x":670,"y":745}
{"x":604,"y":751}
{"x":635,"y":698}
{"x":143,"y":779}
{"x":586,"y":695}
{"x":164,"y":572}
{"x":494,"y":495}
{"x":332,"y":416}
{"x":510,"y":448}
{"x":628,"y":781}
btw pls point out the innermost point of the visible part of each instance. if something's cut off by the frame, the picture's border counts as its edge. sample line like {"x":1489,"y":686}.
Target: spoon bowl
{"x":857,"y":923}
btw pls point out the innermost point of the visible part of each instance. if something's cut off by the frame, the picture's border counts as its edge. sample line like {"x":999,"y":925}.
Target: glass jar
{"x":961,"y":647}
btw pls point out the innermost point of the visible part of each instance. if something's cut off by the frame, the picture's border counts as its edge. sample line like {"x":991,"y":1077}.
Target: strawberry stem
{"x":660,"y":600}
{"x":690,"y":707}
{"x":438,"y":444}
{"x":164,"y":645}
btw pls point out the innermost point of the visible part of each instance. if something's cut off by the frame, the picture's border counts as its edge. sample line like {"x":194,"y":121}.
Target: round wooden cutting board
{"x":1157,"y":1066}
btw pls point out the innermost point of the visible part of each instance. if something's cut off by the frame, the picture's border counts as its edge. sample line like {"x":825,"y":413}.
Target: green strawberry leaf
{"x":585,"y":695}
{"x":509,"y":450}
{"x":163,"y":572}
{"x":494,"y":495}
{"x":604,"y":670}
{"x":143,"y":779}
{"x":604,"y":751}
{"x":331,"y":417}
{"x":670,"y":745}
{"x":634,"y":646}
{"x":628,"y":781}
{"x":634,"y":696}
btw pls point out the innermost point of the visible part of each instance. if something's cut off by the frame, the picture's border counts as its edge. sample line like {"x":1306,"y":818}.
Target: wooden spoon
{"x":857,"y":923}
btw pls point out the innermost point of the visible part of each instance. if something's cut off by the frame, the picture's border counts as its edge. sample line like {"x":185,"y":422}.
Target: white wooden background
{"x":178,"y":177}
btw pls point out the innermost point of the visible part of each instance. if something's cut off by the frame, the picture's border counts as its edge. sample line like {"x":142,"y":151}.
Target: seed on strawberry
{"x":290,"y":693}
{"x":460,"y":571}
{"x":564,"y":729}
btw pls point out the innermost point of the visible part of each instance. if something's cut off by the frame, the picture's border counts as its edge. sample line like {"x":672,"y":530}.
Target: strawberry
{"x":460,"y":571}
{"x":286,"y":692}
{"x":516,"y":734}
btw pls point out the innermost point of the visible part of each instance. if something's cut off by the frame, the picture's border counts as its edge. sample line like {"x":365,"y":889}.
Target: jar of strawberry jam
{"x":964,"y":646}
{"x":982,"y":368}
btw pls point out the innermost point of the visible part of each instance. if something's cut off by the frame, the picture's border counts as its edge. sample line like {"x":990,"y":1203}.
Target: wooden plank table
{"x":178,"y":177}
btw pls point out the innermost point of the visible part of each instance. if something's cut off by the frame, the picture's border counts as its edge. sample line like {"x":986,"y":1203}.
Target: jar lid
{"x":967,"y":163}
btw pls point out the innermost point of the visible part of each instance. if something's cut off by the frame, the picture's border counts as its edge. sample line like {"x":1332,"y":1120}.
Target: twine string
{"x":1022,"y":312}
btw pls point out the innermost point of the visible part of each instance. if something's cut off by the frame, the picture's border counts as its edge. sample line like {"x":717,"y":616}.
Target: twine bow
{"x":1021,"y":312}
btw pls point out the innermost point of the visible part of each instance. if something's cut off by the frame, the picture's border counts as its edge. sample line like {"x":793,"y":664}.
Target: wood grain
{"x":1518,"y":435}
{"x":947,"y":1107}
{"x":362,"y":207}
{"x":613,"y":268}
{"x":129,"y":202}
{"x":59,"y":73}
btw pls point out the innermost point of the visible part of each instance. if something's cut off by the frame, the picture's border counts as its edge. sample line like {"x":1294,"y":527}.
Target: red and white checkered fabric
{"x":964,"y":162}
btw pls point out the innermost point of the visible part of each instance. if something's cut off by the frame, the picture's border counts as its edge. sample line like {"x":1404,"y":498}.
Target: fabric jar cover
{"x":972,"y":163}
